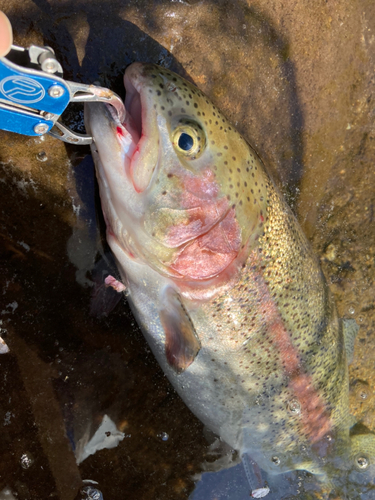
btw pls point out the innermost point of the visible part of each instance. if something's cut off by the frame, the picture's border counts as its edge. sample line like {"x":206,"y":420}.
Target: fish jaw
{"x":112,"y":162}
{"x":122,"y":201}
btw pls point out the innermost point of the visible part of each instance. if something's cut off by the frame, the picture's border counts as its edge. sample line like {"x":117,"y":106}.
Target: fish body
{"x":222,"y":279}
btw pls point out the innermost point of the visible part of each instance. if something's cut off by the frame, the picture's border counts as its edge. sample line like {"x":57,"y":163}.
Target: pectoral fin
{"x":181,"y":341}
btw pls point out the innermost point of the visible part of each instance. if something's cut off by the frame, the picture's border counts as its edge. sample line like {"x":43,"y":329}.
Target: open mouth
{"x":135,"y":137}
{"x":133,"y":105}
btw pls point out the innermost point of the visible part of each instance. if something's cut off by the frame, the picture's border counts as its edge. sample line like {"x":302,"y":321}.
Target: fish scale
{"x":222,"y":280}
{"x":310,"y":325}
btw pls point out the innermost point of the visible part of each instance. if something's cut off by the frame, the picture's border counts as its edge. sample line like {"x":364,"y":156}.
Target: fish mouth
{"x":133,"y":104}
{"x":138,"y":140}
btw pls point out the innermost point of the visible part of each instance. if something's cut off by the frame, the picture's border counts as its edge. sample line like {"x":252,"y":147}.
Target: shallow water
{"x":298,"y":82}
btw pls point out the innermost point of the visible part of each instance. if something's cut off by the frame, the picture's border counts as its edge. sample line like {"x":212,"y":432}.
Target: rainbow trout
{"x":222,"y":280}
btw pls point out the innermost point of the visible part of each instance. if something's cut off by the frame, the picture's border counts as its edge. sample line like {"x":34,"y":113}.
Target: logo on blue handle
{"x":22,"y":90}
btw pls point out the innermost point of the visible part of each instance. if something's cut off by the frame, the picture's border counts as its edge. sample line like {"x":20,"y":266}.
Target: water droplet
{"x":275,"y":460}
{"x":42,"y":156}
{"x":361,"y":319}
{"x":26,"y":461}
{"x":362,"y":462}
{"x":351,"y":310}
{"x":89,"y":493}
{"x":328,"y":437}
{"x":163,"y":436}
{"x":362,"y":392}
{"x":294,"y":406}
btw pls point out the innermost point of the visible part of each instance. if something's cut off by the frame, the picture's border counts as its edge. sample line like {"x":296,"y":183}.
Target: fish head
{"x":181,"y":190}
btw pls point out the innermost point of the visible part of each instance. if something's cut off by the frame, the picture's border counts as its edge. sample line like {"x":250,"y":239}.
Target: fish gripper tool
{"x":33,"y":95}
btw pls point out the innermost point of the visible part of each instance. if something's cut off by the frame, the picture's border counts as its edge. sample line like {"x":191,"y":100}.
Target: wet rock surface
{"x":297,"y":80}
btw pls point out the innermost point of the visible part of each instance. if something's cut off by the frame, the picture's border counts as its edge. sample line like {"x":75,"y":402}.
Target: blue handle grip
{"x":33,"y":89}
{"x":23,"y":123}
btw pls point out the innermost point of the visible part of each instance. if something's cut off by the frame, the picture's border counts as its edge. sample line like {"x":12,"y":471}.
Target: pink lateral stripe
{"x":315,"y":418}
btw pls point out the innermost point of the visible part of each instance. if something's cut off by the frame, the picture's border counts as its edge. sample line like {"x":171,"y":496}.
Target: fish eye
{"x":188,"y":139}
{"x":185,"y":142}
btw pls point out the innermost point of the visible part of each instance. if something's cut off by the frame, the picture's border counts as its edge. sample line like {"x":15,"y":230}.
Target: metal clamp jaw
{"x":33,"y":95}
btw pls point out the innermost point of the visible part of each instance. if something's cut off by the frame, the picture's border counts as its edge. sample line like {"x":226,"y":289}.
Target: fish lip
{"x":134,"y":108}
{"x":133,"y":97}
{"x":137,"y":133}
{"x":131,"y":132}
{"x":141,"y":115}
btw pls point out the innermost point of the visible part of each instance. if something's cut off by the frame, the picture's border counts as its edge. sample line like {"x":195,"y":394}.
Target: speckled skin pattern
{"x":270,"y":376}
